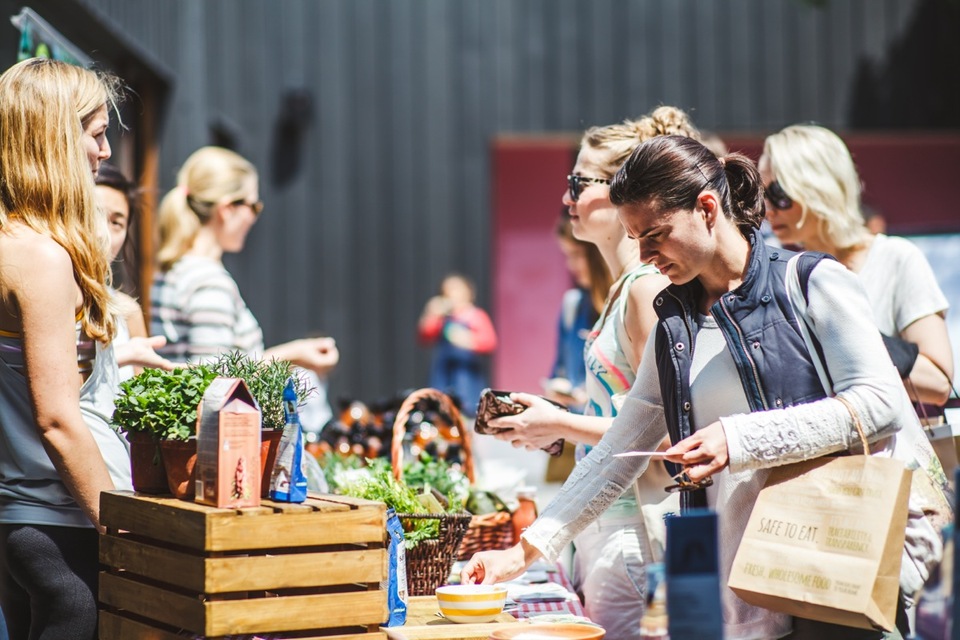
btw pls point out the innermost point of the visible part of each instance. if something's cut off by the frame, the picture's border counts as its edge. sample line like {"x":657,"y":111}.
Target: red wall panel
{"x":907,"y":177}
{"x":529,"y":276}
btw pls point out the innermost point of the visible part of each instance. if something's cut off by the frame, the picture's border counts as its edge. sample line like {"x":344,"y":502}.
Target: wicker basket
{"x":490,"y":531}
{"x":485,"y":532}
{"x":429,"y":563}
{"x":456,"y":432}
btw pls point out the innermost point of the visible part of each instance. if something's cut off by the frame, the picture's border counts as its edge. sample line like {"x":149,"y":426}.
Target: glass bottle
{"x":526,"y":511}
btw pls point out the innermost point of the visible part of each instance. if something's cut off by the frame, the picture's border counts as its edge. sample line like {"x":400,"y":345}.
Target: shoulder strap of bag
{"x":799,"y":268}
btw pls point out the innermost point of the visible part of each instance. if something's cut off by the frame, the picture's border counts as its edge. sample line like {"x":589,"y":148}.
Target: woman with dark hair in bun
{"x":727,"y":375}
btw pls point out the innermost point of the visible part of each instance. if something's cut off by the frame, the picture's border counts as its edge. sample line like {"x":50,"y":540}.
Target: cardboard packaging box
{"x":228,"y":446}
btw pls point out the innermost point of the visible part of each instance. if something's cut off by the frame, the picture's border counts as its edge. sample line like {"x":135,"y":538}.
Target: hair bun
{"x":668,"y":120}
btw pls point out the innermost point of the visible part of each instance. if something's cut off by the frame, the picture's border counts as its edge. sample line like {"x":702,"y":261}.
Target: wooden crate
{"x":176,"y":569}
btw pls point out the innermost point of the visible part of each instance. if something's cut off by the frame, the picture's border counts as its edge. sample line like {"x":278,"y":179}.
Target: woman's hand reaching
{"x":142,"y":353}
{"x":702,"y":454}
{"x":320,"y":355}
{"x":490,"y":567}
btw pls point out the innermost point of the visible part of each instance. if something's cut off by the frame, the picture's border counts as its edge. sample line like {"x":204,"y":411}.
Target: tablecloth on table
{"x":557,"y":583}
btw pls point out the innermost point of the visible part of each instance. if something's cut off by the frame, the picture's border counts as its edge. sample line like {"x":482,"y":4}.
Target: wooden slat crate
{"x":176,"y":569}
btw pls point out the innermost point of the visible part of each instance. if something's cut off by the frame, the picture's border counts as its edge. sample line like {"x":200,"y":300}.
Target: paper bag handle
{"x":856,"y":424}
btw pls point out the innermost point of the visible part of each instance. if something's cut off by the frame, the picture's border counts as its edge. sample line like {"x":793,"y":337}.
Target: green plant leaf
{"x":266,"y":380}
{"x":162,"y":403}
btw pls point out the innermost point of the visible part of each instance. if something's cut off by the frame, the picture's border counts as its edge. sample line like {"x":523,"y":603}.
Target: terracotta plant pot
{"x":269,"y":444}
{"x":179,"y":459}
{"x":146,"y":467}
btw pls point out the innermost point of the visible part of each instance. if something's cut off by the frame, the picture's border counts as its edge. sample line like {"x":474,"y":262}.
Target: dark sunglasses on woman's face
{"x":778,"y":197}
{"x":256,"y":207}
{"x":575,"y":184}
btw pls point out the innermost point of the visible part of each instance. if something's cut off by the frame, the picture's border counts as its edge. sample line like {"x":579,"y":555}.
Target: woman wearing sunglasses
{"x":195,"y":302}
{"x":731,"y":413}
{"x":610,"y":555}
{"x":813,"y":200}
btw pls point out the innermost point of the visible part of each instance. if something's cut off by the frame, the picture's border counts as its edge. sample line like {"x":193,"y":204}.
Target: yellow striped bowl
{"x":471,"y":602}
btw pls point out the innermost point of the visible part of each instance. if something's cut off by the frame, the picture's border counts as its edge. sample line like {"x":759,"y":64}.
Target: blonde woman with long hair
{"x":813,"y":200}
{"x":196,"y":303}
{"x":610,"y":554}
{"x":57,"y":369}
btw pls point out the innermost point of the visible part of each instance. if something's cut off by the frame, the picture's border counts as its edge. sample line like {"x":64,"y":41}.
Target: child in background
{"x":462,"y":333}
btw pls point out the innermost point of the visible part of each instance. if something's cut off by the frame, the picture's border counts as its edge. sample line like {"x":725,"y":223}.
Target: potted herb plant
{"x":157,"y":410}
{"x":266,"y":380}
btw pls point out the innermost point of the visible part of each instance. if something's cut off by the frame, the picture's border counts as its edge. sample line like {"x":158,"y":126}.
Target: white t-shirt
{"x":900,"y":284}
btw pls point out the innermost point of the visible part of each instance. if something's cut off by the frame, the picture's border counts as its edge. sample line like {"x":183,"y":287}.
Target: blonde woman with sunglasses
{"x":195,"y":302}
{"x":813,"y":201}
{"x":610,"y":554}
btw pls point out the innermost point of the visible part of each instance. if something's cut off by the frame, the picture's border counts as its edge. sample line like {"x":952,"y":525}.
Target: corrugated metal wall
{"x":388,"y":187}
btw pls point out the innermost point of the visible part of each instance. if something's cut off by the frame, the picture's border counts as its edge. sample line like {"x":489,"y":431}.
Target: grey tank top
{"x":31,"y":491}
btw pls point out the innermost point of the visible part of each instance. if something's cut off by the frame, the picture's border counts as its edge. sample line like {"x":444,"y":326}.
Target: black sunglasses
{"x":575,"y":184}
{"x":256,"y":207}
{"x":778,"y":197}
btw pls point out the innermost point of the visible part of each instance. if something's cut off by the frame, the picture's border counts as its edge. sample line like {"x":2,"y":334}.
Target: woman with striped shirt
{"x":195,"y":302}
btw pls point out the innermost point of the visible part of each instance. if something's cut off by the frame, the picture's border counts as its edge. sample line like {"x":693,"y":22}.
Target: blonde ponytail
{"x":211,"y":175}
{"x":178,"y":226}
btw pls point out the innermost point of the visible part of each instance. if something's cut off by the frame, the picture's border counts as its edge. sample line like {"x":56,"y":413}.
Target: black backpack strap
{"x":806,"y":263}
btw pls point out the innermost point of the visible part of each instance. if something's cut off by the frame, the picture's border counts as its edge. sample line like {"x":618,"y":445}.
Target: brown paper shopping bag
{"x":825,"y":540}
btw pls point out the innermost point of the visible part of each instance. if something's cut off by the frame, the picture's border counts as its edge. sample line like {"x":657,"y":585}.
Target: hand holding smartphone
{"x":497,"y":403}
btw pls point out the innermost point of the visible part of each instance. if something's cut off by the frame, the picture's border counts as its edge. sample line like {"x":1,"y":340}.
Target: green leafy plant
{"x":379,"y":484}
{"x":162,"y":403}
{"x":266,"y":380}
{"x":433,"y":473}
{"x":338,"y":470}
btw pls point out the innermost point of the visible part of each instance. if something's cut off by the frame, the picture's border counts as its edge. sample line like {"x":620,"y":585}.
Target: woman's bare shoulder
{"x":644,"y":289}
{"x":22,"y":246}
{"x":30,"y":258}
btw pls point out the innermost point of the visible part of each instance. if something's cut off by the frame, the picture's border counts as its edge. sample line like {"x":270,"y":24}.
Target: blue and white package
{"x":288,"y":482}
{"x":396,"y":582}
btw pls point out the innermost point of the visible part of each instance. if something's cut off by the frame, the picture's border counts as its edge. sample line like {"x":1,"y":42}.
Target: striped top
{"x":11,"y":351}
{"x":197,"y":306}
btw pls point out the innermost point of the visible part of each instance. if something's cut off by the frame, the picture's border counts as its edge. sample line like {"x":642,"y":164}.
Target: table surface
{"x":423,"y":623}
